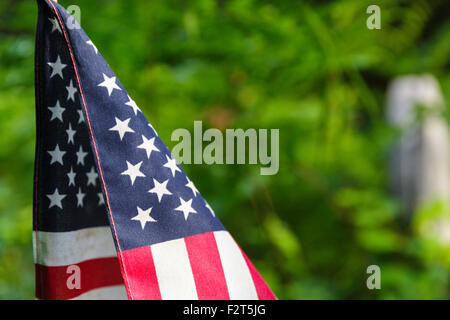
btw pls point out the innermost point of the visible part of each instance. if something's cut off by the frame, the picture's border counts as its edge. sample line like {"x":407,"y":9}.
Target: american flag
{"x":111,"y":205}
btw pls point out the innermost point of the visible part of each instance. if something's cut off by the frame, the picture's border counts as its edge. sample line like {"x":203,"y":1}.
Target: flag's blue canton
{"x":69,"y":196}
{"x":151,"y":198}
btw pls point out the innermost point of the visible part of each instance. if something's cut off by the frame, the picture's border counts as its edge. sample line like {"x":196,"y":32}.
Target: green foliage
{"x":312,"y":70}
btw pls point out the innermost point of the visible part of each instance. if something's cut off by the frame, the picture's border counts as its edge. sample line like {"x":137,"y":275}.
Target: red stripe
{"x":141,"y":273}
{"x":51,"y":282}
{"x":262,"y":289}
{"x":207,"y":267}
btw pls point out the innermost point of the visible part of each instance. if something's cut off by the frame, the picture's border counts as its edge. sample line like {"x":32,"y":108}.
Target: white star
{"x":122,"y":127}
{"x":109,"y":84}
{"x":133,"y":171}
{"x":80,"y":156}
{"x":80,"y":197}
{"x":57,"y":111}
{"x":160,"y":189}
{"x":71,"y":90}
{"x":80,"y":116}
{"x":55,"y":199}
{"x":133,"y":105}
{"x":57,"y":68}
{"x":210,"y":209}
{"x":191,"y":186}
{"x":101,"y":200}
{"x":70,"y":134}
{"x":185,"y":207}
{"x":172,"y":165}
{"x":57,"y":155}
{"x":93,"y":45}
{"x":148,"y":145}
{"x":71,"y":176}
{"x":143,"y":216}
{"x":55,"y":25}
{"x":92,"y":177}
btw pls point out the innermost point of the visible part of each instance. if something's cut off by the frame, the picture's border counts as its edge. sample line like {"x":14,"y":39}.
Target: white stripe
{"x":105,"y":293}
{"x":173,"y":270}
{"x":65,"y":248}
{"x":237,"y":275}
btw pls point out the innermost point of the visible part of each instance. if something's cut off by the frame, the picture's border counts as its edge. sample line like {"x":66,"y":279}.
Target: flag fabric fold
{"x":115,"y":216}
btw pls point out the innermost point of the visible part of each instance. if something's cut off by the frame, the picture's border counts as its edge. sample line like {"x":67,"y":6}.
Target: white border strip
{"x":66,"y":248}
{"x":105,"y":293}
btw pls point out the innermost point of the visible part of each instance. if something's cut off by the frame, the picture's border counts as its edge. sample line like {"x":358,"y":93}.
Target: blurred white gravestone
{"x":420,"y":164}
